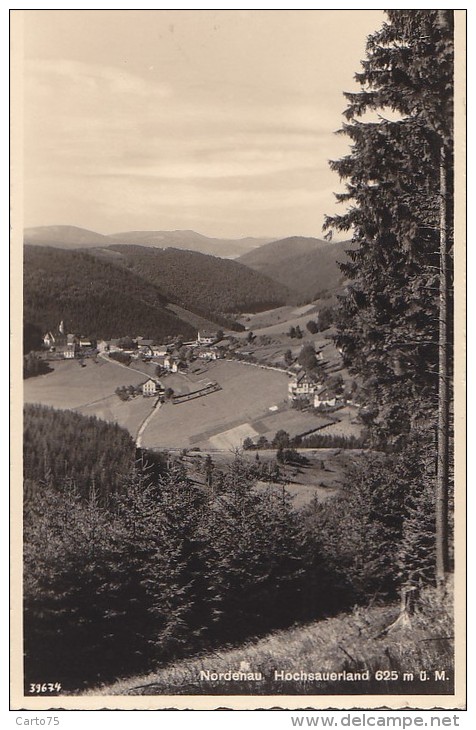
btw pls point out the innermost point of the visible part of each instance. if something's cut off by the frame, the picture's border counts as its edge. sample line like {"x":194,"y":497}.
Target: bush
{"x":33,"y":365}
{"x":121,"y":357}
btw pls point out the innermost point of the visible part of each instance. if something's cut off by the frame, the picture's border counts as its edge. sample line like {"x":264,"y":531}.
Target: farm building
{"x":324,"y":397}
{"x":159,"y":350}
{"x":208,"y":354}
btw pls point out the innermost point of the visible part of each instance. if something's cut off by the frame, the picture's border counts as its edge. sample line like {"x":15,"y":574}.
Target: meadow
{"x":220,"y":420}
{"x":90,"y":390}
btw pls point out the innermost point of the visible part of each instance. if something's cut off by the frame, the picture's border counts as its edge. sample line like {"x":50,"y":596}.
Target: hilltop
{"x":64,"y":237}
{"x":307,"y":266}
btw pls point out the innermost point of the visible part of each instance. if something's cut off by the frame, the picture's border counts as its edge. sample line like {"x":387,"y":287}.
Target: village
{"x":308,"y":385}
{"x":228,"y":390}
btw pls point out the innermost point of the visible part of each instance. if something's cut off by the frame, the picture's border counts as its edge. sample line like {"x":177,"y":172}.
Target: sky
{"x":220,"y":121}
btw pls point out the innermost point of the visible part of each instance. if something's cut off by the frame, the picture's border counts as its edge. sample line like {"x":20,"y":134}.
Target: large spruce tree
{"x":395,"y":321}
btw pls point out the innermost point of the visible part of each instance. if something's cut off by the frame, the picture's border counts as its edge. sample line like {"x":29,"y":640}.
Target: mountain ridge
{"x":72,"y":237}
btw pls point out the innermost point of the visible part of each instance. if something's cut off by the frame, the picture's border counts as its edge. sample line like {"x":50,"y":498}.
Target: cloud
{"x":103,"y":138}
{"x":87,"y":78}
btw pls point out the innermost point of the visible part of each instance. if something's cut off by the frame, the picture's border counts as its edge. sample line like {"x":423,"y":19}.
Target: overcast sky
{"x":218,"y":121}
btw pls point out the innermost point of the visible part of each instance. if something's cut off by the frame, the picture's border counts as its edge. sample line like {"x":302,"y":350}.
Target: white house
{"x":159,"y":350}
{"x":206,"y":338}
{"x":149,"y":388}
{"x":208,"y":354}
{"x":49,"y":339}
{"x":170,"y":364}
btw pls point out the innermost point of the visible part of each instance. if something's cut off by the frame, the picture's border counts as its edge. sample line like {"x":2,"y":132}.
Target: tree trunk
{"x":442,"y":478}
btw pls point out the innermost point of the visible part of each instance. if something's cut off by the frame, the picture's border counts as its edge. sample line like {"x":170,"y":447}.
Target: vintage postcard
{"x":238,"y":413}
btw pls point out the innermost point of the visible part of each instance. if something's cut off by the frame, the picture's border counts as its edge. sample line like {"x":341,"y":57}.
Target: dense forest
{"x":93,"y":297}
{"x":63,"y":447}
{"x":166,"y":568}
{"x":202,"y":283}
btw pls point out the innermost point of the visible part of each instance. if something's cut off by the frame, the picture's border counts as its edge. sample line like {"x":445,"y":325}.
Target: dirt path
{"x":106,"y":358}
{"x":146,"y":422}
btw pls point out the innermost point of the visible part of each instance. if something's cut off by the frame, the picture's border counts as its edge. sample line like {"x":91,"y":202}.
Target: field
{"x":220,"y":420}
{"x":347,"y":425}
{"x":271,"y":339}
{"x":320,"y":477}
{"x":278,"y":321}
{"x":90,"y":391}
{"x":280,"y":317}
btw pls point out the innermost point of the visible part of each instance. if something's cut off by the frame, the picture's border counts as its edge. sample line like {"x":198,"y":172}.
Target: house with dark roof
{"x":302,"y":385}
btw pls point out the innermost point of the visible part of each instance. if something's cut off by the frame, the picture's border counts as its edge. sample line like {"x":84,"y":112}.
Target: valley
{"x":169,"y":294}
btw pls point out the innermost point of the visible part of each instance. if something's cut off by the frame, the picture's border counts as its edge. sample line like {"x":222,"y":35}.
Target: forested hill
{"x":54,"y":456}
{"x":305,"y":265}
{"x":199,"y":282}
{"x":93,"y":297}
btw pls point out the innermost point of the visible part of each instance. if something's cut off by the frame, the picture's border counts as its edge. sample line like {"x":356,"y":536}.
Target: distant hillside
{"x":74,"y":237}
{"x":191,"y":241}
{"x":204,"y":284}
{"x":307,"y":266}
{"x":64,"y":237}
{"x":93,"y":297}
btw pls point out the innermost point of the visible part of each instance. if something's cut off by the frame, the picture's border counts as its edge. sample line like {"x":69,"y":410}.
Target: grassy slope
{"x":246,"y":395}
{"x":349,"y":642}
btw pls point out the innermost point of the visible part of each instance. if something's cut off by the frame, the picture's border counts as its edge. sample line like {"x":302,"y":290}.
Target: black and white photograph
{"x":238,"y":277}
